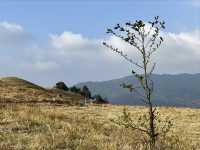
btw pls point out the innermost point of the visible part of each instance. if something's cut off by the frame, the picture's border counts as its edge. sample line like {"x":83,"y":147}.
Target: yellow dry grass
{"x":13,"y":89}
{"x":42,"y":126}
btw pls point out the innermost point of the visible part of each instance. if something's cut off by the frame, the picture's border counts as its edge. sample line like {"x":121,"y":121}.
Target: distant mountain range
{"x":181,"y":90}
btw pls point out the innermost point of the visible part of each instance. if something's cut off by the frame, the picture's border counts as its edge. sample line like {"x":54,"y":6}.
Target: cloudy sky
{"x":52,"y":40}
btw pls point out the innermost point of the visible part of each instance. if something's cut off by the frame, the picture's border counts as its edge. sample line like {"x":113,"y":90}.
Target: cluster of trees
{"x":62,"y":86}
{"x":85,"y":91}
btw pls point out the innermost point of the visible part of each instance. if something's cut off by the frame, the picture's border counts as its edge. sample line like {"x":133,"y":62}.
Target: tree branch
{"x":123,"y":55}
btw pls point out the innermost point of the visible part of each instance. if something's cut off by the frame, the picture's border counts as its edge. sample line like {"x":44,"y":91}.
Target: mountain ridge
{"x":179,"y":90}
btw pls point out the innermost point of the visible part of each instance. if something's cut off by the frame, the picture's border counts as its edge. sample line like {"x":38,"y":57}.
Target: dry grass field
{"x":35,"y":118}
{"x":45,"y":126}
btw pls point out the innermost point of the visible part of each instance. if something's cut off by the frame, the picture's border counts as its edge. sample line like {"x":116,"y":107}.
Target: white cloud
{"x":13,"y":36}
{"x":67,"y":39}
{"x":180,"y":53}
{"x":11,"y":27}
{"x":195,"y":3}
{"x":74,"y":58}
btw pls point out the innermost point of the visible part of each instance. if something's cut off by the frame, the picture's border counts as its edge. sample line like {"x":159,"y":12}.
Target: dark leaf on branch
{"x":109,"y":31}
{"x":161,"y":39}
{"x":115,"y":28}
{"x":128,"y":23}
{"x":127,"y":86}
{"x":122,"y":29}
{"x":133,"y":72}
{"x":127,"y":39}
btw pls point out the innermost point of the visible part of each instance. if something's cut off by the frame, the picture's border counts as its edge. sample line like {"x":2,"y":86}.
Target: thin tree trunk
{"x":148,"y":97}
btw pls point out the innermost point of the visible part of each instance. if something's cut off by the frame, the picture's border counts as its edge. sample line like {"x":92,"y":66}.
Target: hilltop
{"x":13,"y":89}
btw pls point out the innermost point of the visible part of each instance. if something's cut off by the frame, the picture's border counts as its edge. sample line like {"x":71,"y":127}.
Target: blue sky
{"x":51,"y":40}
{"x":91,"y":18}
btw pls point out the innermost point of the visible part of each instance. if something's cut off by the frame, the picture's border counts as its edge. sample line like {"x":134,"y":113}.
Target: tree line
{"x":84,"y":91}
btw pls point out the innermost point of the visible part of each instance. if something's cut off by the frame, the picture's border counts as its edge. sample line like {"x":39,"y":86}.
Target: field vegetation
{"x":58,"y":126}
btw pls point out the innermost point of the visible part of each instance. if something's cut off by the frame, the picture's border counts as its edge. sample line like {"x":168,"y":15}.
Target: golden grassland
{"x":45,"y":126}
{"x":13,"y":89}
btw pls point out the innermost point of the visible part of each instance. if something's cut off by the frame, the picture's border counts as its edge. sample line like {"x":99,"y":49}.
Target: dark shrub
{"x":86,"y":92}
{"x":100,"y":100}
{"x":62,"y":86}
{"x":75,"y":89}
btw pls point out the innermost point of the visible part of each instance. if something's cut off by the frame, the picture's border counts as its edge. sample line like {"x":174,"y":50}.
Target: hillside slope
{"x":13,"y":89}
{"x":170,"y":90}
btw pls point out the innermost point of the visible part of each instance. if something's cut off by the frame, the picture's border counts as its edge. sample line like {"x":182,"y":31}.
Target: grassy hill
{"x":13,"y":89}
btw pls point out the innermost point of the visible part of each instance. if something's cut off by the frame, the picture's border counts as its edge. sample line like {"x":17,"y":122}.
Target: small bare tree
{"x":146,"y":39}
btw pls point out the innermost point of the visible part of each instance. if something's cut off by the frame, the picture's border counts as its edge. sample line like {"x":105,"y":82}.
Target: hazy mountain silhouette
{"x":170,"y":90}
